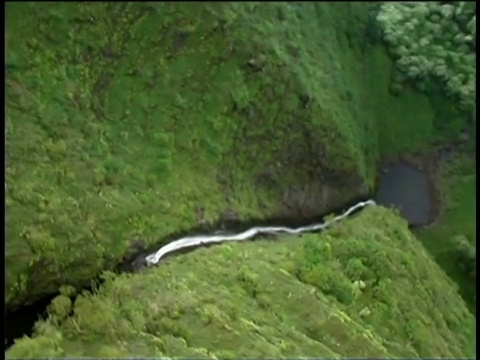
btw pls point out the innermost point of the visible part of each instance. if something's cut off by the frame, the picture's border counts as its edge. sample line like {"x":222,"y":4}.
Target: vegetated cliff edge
{"x":365,"y":287}
{"x":136,"y":120}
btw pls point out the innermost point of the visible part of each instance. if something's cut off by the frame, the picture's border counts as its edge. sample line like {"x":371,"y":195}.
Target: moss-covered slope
{"x":131,"y":121}
{"x":452,"y":239}
{"x":364,"y":288}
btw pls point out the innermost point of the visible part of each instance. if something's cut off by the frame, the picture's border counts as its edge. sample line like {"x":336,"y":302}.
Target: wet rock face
{"x":406,"y":188}
{"x":137,"y":265}
{"x":318,"y":197}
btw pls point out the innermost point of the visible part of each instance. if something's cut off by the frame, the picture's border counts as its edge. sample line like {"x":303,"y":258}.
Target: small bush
{"x":465,"y":254}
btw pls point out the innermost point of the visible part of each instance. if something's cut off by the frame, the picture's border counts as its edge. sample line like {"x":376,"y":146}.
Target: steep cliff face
{"x":132,"y":121}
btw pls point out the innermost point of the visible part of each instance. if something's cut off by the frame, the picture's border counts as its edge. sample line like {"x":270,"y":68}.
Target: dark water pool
{"x":406,"y":188}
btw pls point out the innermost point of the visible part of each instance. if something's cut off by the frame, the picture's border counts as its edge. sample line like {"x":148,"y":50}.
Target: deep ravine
{"x":21,"y":322}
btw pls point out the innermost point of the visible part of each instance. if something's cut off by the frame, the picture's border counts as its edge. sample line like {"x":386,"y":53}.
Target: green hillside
{"x":136,"y":120}
{"x":289,"y":297}
{"x":130,"y":122}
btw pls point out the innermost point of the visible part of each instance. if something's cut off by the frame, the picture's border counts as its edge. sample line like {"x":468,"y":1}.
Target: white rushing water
{"x":191,"y":241}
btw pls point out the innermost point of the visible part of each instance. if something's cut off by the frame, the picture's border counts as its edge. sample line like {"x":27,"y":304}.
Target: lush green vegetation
{"x":365,"y":288}
{"x":127,"y":122}
{"x":452,"y":239}
{"x":133,"y":121}
{"x":125,"y":119}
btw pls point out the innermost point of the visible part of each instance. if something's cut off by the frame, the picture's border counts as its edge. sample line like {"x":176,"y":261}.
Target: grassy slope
{"x":457,"y":183}
{"x":124,"y":119}
{"x":287,"y":298}
{"x":406,"y":122}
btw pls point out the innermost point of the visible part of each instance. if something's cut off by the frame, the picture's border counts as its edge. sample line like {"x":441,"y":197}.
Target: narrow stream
{"x":401,"y":186}
{"x":194,"y":241}
{"x":21,"y":322}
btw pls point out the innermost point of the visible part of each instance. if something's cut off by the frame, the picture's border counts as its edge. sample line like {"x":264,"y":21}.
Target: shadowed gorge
{"x":134,"y":124}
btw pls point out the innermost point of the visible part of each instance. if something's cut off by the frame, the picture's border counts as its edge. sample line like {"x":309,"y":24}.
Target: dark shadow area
{"x":20,"y":322}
